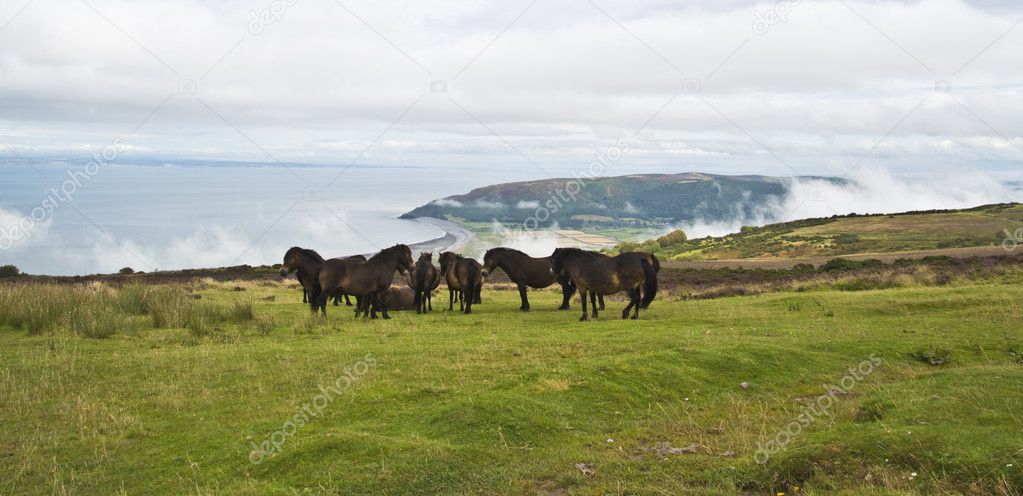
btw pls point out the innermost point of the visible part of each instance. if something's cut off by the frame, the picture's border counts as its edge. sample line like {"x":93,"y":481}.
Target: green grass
{"x":930,"y":230}
{"x":503,"y":402}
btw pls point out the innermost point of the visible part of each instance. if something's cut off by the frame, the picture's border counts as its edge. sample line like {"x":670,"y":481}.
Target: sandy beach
{"x":455,"y":236}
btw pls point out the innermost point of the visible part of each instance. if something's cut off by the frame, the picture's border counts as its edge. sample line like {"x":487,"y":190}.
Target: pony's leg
{"x":525,"y":300}
{"x":567,"y":290}
{"x":319,"y":301}
{"x":479,"y":294}
{"x":336,"y":298}
{"x":461,"y":301}
{"x":417,"y":300}
{"x":305,"y":296}
{"x":429,"y":300}
{"x":382,"y":299}
{"x":348,"y":301}
{"x":637,"y":297}
{"x":451,"y":299}
{"x":601,"y":299}
{"x":582,"y":299}
{"x":593,"y":303}
{"x":632,"y":301}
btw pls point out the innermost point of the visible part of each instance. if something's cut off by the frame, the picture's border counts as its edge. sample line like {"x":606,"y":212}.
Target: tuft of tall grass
{"x":98,"y":310}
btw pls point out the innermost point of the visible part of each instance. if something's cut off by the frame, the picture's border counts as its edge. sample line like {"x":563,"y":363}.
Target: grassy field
{"x":191,"y":388}
{"x":986,"y":226}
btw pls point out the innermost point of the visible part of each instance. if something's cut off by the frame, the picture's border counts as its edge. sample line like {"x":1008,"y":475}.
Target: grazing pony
{"x":600,"y":274}
{"x":368,"y":281}
{"x":424,"y":280}
{"x":463,"y":275}
{"x":526,"y":271}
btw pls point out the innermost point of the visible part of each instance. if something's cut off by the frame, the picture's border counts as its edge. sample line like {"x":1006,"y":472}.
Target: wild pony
{"x":526,"y":271}
{"x":348,"y":260}
{"x":599,"y":274}
{"x":424,"y":280}
{"x":656,"y":264}
{"x":368,"y":281}
{"x":462,"y":275}
{"x":306,"y":264}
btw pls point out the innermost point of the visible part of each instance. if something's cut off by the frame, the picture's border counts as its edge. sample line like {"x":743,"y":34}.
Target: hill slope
{"x":988,"y":225}
{"x":647,"y":199}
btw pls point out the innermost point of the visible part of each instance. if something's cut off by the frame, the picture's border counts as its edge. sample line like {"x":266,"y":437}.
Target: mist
{"x":869,"y":190}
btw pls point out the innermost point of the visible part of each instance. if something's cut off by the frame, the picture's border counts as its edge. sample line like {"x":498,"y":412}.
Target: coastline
{"x":455,"y":236}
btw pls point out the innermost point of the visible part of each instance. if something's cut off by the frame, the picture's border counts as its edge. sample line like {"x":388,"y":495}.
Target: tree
{"x":9,"y":271}
{"x":673,"y":238}
{"x":126,"y":270}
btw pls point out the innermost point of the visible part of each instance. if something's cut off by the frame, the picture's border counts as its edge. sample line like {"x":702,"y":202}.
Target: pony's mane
{"x":388,"y":251}
{"x":304,"y":252}
{"x":505,"y":249}
{"x":312,"y":254}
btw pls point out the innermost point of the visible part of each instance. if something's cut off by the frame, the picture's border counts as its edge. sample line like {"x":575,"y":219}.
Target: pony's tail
{"x":470,"y":286}
{"x":650,"y":269}
{"x":422,"y":287}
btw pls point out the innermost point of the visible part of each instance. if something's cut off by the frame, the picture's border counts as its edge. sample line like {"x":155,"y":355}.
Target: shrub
{"x":839,"y":264}
{"x":673,"y":238}
{"x":126,"y":270}
{"x":9,"y":271}
{"x":803,"y":268}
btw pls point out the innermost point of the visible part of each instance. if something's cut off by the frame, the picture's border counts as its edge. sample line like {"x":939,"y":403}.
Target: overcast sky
{"x":807,"y":87}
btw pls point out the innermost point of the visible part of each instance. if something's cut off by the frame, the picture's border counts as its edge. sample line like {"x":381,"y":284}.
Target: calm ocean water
{"x":170,"y":217}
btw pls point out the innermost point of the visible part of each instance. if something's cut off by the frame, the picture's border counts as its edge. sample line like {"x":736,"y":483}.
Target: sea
{"x":63,"y":219}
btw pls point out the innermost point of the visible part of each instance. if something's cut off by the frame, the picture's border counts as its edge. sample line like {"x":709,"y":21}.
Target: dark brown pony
{"x":339,"y":293}
{"x":462,"y":275}
{"x":600,"y":274}
{"x":305,"y":263}
{"x":424,"y":280}
{"x":526,"y":271}
{"x":647,"y":296}
{"x":368,"y":281}
{"x":399,"y":299}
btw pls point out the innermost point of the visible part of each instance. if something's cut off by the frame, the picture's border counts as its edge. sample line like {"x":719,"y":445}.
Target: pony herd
{"x":593,"y":274}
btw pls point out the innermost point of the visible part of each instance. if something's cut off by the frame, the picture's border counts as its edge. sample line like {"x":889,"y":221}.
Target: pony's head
{"x":292,"y":260}
{"x":446,"y":259}
{"x":490,"y":261}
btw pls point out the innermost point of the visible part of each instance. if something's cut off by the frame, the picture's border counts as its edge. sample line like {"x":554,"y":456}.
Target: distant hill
{"x":647,"y":199}
{"x":850,"y":234}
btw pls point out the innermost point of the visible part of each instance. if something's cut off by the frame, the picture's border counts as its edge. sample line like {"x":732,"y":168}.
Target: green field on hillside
{"x":505,"y":402}
{"x":989,"y":225}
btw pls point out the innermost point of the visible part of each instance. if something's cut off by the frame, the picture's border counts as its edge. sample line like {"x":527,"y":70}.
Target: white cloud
{"x":488,"y":204}
{"x":445,"y":202}
{"x":563,"y":80}
{"x":19,"y":231}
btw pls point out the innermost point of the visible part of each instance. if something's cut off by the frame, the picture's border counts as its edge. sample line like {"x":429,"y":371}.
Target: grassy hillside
{"x":835,"y":236}
{"x":502,"y":402}
{"x":636,"y":200}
